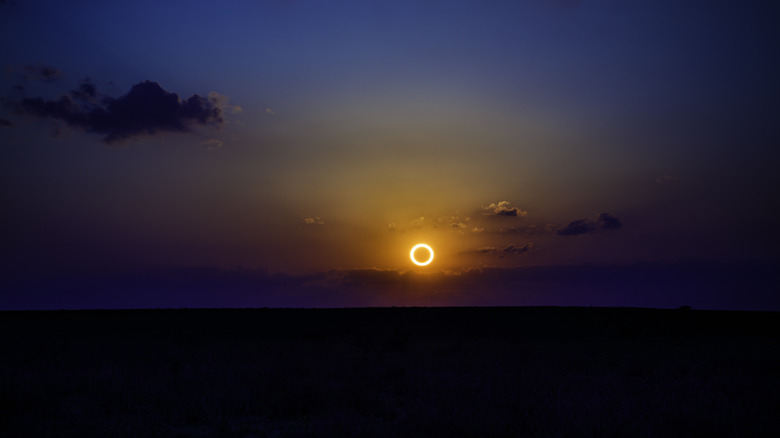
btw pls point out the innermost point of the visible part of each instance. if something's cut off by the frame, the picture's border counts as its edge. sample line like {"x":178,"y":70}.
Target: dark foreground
{"x":390,"y":372}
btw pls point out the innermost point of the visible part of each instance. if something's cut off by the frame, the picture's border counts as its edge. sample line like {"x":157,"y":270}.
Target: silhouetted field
{"x":390,"y":372}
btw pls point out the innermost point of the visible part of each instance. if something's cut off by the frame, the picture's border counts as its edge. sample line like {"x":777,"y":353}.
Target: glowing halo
{"x":415,"y":248}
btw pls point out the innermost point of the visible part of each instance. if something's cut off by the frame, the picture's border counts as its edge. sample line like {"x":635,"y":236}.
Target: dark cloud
{"x":513,"y":249}
{"x":147,"y":109}
{"x":605,"y":221}
{"x":524,"y":229}
{"x":508,"y":250}
{"x":502,"y":208}
{"x":529,"y":230}
{"x":45,"y":73}
{"x":609,"y":222}
{"x":576,"y":227}
{"x":492,"y":250}
{"x":6,"y":123}
{"x":665,"y":178}
{"x":86,"y":91}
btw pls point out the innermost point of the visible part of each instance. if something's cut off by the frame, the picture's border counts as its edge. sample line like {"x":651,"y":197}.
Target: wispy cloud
{"x":453,"y":222}
{"x":223,"y":102}
{"x":418,"y":222}
{"x":212,"y":144}
{"x":313,"y":221}
{"x":502,"y":252}
{"x":502,"y":208}
{"x":44,"y":73}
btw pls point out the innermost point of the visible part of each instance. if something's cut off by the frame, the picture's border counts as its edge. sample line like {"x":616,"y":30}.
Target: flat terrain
{"x":526,"y":371}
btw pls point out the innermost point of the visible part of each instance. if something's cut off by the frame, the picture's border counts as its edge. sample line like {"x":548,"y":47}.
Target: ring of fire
{"x":415,"y":248}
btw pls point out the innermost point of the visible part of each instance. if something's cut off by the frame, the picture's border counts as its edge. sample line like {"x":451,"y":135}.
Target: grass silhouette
{"x":390,"y":372}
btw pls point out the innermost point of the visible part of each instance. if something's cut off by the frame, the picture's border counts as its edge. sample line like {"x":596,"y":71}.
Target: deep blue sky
{"x":315,"y":142}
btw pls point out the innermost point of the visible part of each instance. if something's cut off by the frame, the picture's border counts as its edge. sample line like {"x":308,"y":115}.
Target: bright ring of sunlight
{"x":418,"y":246}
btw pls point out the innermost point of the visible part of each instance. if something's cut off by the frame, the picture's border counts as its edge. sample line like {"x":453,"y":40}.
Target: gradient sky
{"x":326,"y":138}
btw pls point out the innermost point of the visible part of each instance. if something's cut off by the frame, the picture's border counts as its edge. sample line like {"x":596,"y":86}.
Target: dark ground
{"x":390,"y":372}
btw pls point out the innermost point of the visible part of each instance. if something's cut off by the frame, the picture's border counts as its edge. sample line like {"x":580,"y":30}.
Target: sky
{"x":291,"y":153}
